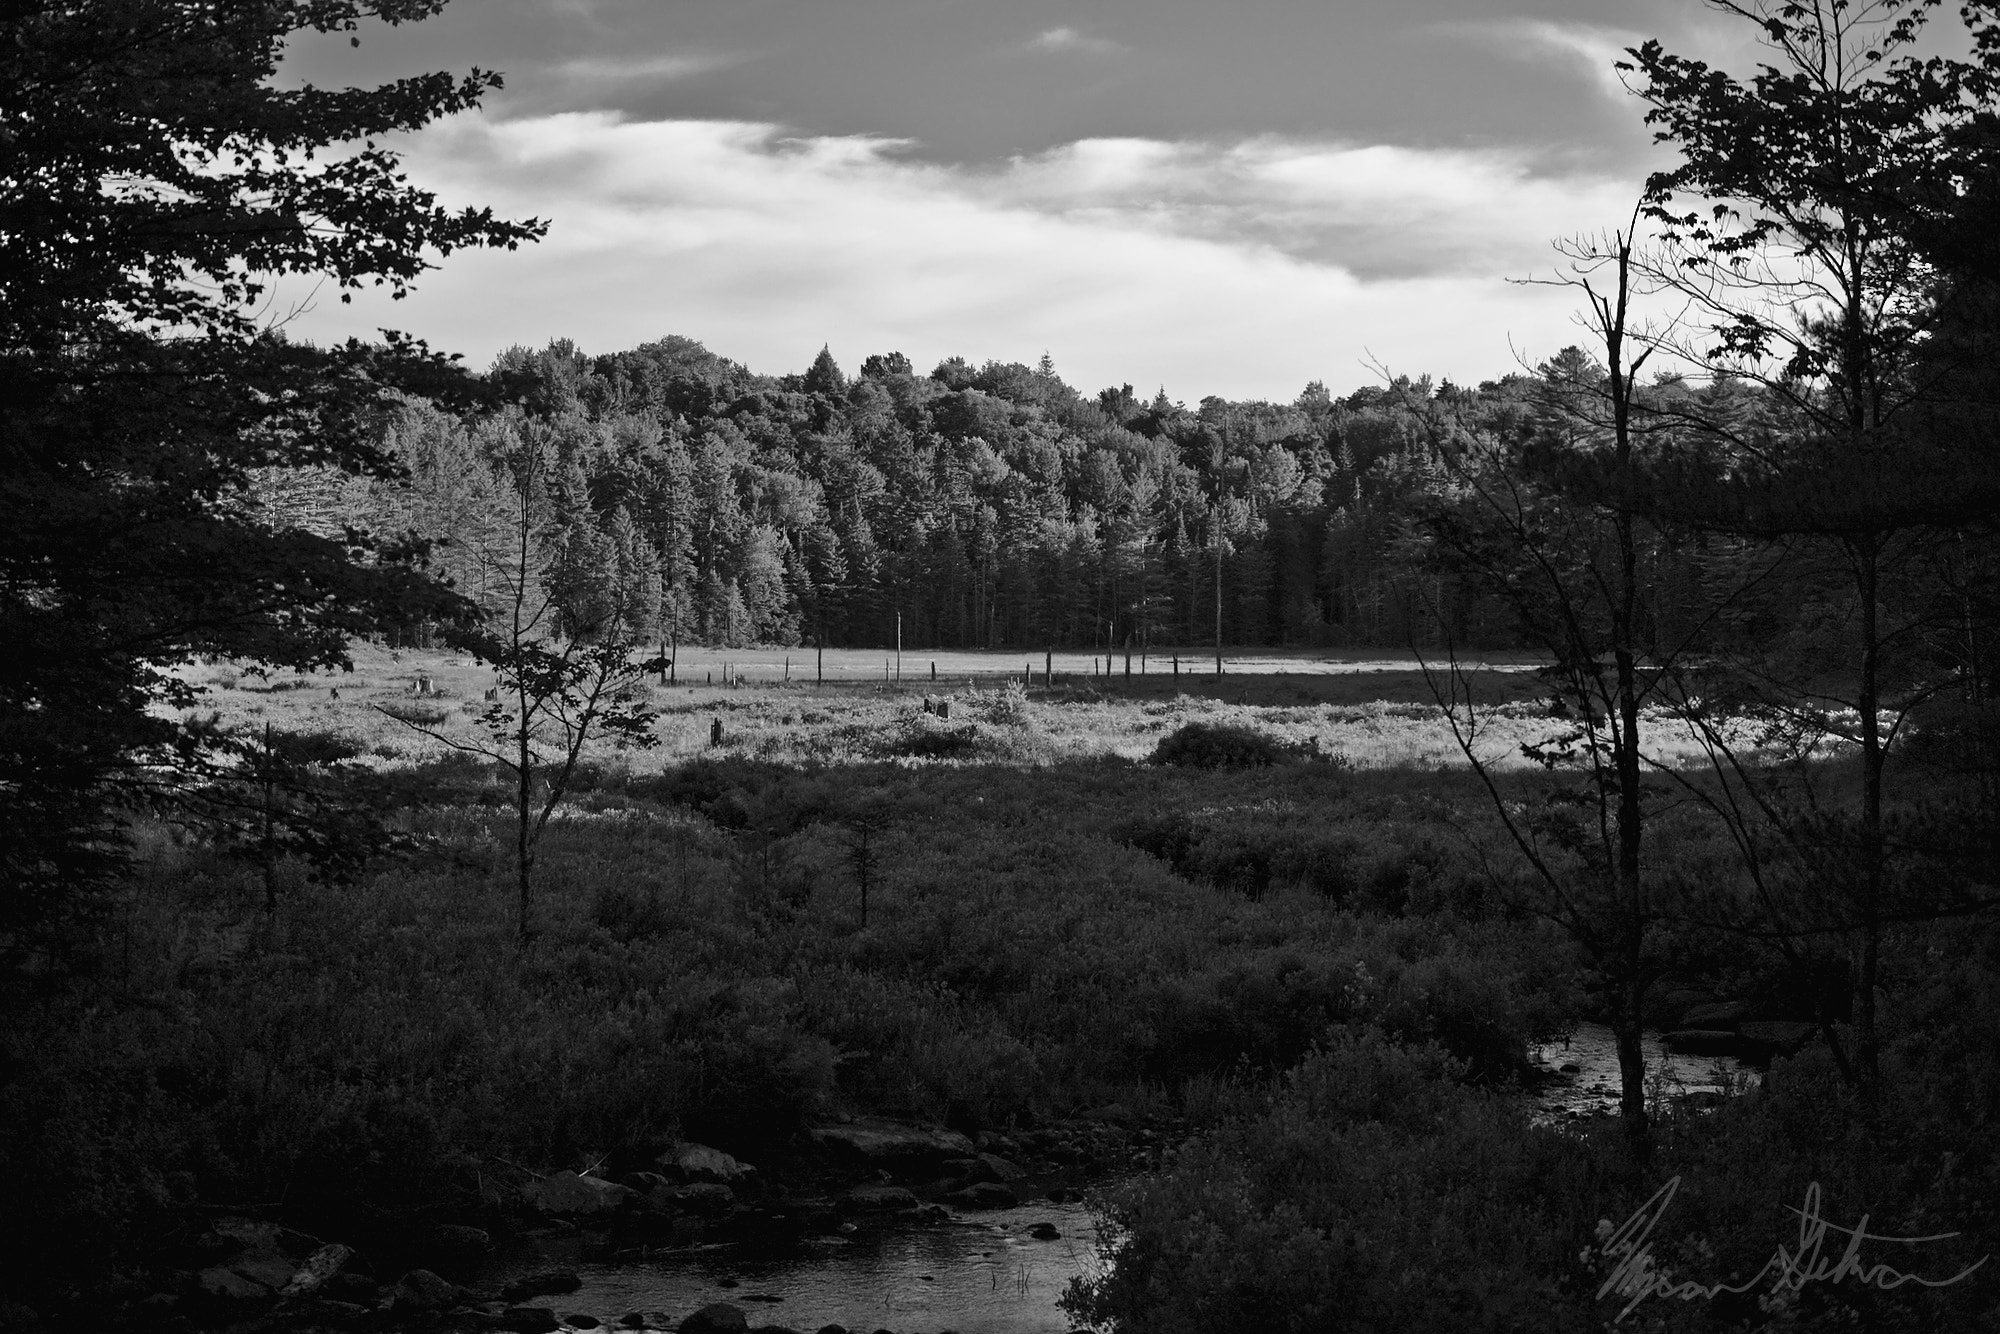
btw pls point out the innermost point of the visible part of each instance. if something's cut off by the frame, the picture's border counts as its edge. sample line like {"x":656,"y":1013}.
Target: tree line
{"x":982,"y":507}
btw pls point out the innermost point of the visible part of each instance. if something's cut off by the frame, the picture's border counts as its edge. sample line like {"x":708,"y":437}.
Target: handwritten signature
{"x":1636,"y":1276}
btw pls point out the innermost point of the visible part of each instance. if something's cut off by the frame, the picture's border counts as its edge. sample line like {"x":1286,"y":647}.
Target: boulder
{"x":567,"y":1193}
{"x":457,"y":1244}
{"x":547,"y":1283}
{"x":579,"y":1320}
{"x":698,"y":1162}
{"x":319,"y":1268}
{"x":645,"y":1320}
{"x":422,"y":1290}
{"x":874,"y":1199}
{"x":227,"y":1285}
{"x":1715,"y":1014}
{"x":998,"y":1168}
{"x":1776,"y":1037}
{"x":527,"y":1320}
{"x":984,"y":1195}
{"x":716,"y":1318}
{"x":1700,"y":1041}
{"x":348,"y":1286}
{"x":255,"y":1237}
{"x":889,"y":1144}
{"x":1045,"y":1232}
{"x":274,"y":1272}
{"x":709,"y":1199}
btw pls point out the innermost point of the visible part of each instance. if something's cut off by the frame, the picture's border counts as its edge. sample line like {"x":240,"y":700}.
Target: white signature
{"x":1634,"y":1274}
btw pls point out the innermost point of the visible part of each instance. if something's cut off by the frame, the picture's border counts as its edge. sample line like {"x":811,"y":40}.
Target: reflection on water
{"x":983,"y":1273}
{"x":1593,"y":1087}
{"x":980,"y":1273}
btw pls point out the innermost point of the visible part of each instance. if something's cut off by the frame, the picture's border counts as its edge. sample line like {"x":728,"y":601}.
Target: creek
{"x":983,"y":1272}
{"x":976,"y":1273}
{"x":1591,"y":1089}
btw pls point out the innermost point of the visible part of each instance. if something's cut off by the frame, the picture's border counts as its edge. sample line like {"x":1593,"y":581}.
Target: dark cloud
{"x":956,"y":77}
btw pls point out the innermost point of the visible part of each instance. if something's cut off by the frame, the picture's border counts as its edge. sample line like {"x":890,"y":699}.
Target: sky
{"x":1209,"y":198}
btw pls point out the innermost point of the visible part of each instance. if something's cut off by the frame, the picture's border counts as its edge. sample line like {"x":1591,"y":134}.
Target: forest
{"x":991,"y":507}
{"x":380,"y":907}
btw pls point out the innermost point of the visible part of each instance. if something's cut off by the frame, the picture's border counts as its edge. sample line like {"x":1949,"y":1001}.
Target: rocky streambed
{"x":862,"y":1225}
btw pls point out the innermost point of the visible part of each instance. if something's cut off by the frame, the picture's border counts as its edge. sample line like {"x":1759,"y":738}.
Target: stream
{"x":982,"y":1272}
{"x":1592,"y":1088}
{"x":977,"y":1273}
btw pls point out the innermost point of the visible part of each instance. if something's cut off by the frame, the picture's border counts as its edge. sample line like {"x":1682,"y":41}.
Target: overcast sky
{"x":1230,"y":198}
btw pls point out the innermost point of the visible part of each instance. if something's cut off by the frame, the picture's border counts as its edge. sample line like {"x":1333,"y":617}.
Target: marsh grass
{"x":1054,"y":925}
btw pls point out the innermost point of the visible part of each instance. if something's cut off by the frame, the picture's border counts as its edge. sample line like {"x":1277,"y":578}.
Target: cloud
{"x":652,"y":68}
{"x":1069,"y":39}
{"x":1377,"y":211}
{"x":1593,"y":50}
{"x":1242,"y":269}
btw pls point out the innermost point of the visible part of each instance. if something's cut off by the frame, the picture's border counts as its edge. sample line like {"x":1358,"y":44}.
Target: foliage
{"x":1219,"y":746}
{"x":153,"y":179}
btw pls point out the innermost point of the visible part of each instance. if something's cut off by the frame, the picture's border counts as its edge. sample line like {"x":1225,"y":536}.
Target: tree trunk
{"x":1866,"y":1045}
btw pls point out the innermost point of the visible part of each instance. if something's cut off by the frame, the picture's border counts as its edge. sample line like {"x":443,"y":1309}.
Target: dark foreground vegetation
{"x":1299,"y":978}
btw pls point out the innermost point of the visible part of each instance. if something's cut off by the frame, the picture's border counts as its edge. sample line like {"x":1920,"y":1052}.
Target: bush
{"x":1220,"y":746}
{"x":1349,"y":1204}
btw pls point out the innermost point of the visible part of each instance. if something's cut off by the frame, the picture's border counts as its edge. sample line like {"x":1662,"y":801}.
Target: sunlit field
{"x":1372,"y":712}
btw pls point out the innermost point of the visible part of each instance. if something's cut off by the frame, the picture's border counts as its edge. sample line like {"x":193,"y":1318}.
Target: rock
{"x":872,"y":1199}
{"x":319,"y":1267}
{"x":567,"y":1193}
{"x":1715,"y":1014}
{"x":1057,"y":1195}
{"x":347,"y":1286}
{"x":1045,"y":1232}
{"x":1116,"y":1112}
{"x":547,"y":1283}
{"x":1001,"y":1169}
{"x":228,"y":1285}
{"x":984,"y":1195}
{"x":710,"y":1199}
{"x":1570,"y":1068}
{"x":274,"y":1272}
{"x":831,"y":1329}
{"x":645,"y":1182}
{"x":717,"y":1318}
{"x":698,"y":1162}
{"x":327,"y":1310}
{"x":1781,"y":1037}
{"x":455,"y":1243}
{"x":527,"y":1320}
{"x":421,"y":1290}
{"x":645,"y":1320}
{"x":888,"y":1144}
{"x":774,"y":1329}
{"x":1700,"y":1041}
{"x":256,"y":1237}
{"x":578,"y":1320}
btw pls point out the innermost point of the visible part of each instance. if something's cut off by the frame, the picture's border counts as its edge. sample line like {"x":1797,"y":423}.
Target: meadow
{"x":1312,"y":973}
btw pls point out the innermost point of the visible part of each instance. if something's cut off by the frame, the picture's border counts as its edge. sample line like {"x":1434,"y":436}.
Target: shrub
{"x":1220,"y":746}
{"x":923,"y":736}
{"x":1348,"y":1204}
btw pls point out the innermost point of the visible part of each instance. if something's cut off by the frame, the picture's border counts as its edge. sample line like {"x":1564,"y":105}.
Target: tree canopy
{"x":155,"y":180}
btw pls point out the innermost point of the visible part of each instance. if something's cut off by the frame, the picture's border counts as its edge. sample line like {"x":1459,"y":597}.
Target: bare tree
{"x":563,"y":676}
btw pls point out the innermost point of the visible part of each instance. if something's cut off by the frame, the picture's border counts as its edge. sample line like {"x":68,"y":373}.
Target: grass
{"x":1054,"y":924}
